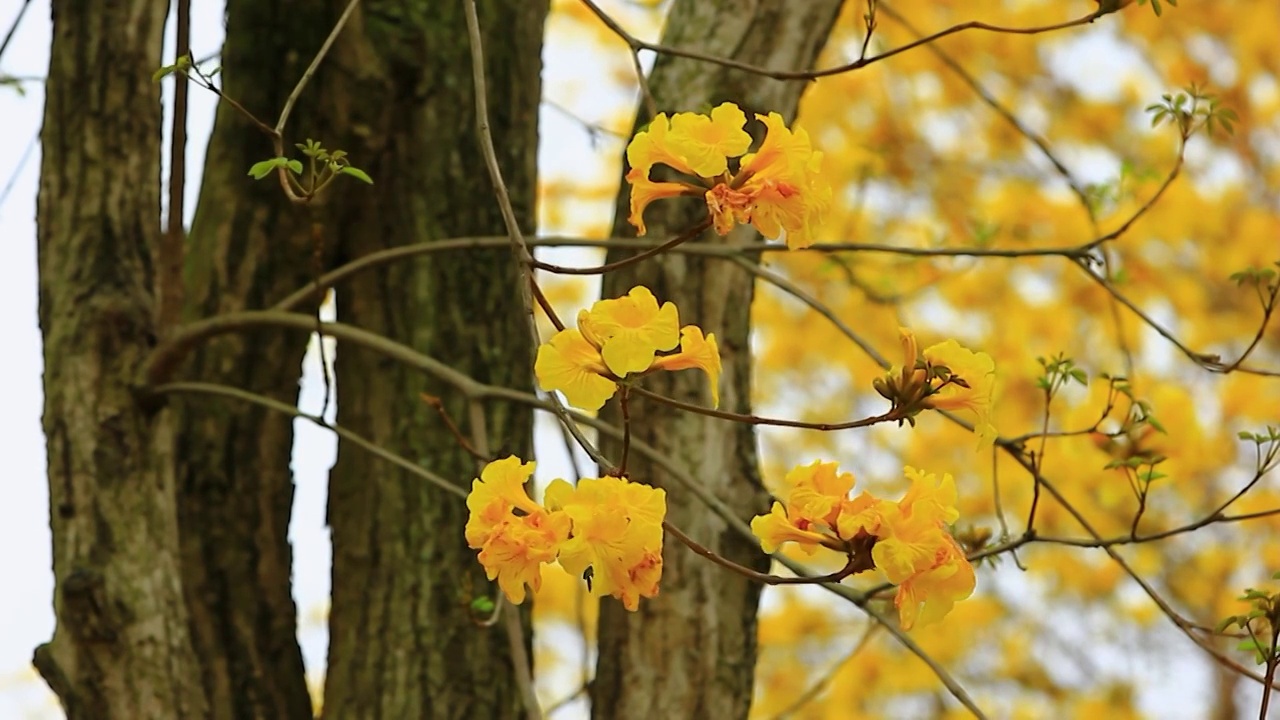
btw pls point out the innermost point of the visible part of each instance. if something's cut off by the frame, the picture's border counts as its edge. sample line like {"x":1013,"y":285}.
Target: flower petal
{"x":570,"y":364}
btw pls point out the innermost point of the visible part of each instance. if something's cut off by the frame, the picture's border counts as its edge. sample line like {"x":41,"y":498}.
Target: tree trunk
{"x":248,"y":248}
{"x":690,"y":652}
{"x":403,"y":643}
{"x":121,"y":648}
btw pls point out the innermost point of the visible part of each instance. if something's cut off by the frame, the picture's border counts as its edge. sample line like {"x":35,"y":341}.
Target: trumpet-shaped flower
{"x":707,"y":142}
{"x":785,"y":181}
{"x":630,"y":330}
{"x":696,"y":351}
{"x":648,"y":148}
{"x":976,"y":375}
{"x":930,"y":497}
{"x":778,"y":527}
{"x":498,"y":492}
{"x":907,"y":545}
{"x":779,"y":188}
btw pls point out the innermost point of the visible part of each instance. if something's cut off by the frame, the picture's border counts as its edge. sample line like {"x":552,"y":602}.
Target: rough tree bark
{"x":402,"y":639}
{"x":248,"y":247}
{"x":121,"y":648}
{"x":691,"y":651}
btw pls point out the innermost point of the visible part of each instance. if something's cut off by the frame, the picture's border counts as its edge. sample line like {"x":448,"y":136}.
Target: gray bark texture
{"x":690,"y":652}
{"x":121,"y":648}
{"x":403,"y":642}
{"x":248,"y":247}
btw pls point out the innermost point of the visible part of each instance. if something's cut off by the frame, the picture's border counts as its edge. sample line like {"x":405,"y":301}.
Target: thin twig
{"x":292,"y":100}
{"x":637,"y":44}
{"x":710,"y":249}
{"x":13,"y":27}
{"x":170,"y":258}
{"x":524,"y":258}
{"x":205,"y":388}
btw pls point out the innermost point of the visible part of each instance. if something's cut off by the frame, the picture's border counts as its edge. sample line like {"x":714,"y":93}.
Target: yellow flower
{"x":630,"y":330}
{"x":648,"y":148}
{"x":698,"y":352}
{"x":495,"y":494}
{"x":917,"y":554}
{"x":907,"y":545}
{"x":818,"y":492}
{"x":814,"y":505}
{"x":512,"y":547}
{"x":707,"y":143}
{"x":928,"y":596}
{"x":516,"y":549}
{"x":785,"y":183}
{"x":975,"y":373}
{"x":617,"y":532}
{"x":778,"y":189}
{"x":573,"y":366}
{"x":930,"y":497}
{"x":621,"y":337}
{"x":968,"y":386}
{"x":777,"y":528}
{"x":908,"y":539}
{"x":864,"y":513}
{"x":645,"y":191}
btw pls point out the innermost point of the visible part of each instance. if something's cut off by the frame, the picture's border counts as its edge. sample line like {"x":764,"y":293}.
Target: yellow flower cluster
{"x":609,"y":526}
{"x":909,"y":539}
{"x":778,"y":188}
{"x":946,"y":376}
{"x":621,"y":337}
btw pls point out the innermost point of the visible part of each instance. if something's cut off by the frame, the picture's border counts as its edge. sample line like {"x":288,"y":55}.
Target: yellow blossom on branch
{"x":907,"y":540}
{"x":619,"y":339}
{"x":617,"y":533}
{"x":946,"y":376}
{"x":928,"y":595}
{"x":512,"y":547}
{"x":779,"y":188}
{"x":630,"y":330}
{"x":607,"y":525}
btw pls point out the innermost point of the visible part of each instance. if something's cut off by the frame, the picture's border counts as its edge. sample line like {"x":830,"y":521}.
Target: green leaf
{"x":482,"y":605}
{"x":357,"y":173}
{"x":295,"y":166}
{"x":264,"y":168}
{"x":1224,"y":624}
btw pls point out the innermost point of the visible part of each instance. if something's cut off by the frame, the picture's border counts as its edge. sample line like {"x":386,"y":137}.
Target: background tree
{"x":395,"y":548}
{"x":706,"y":645}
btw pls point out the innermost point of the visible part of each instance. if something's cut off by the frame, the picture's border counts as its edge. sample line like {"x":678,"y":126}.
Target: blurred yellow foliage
{"x":923,"y":157}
